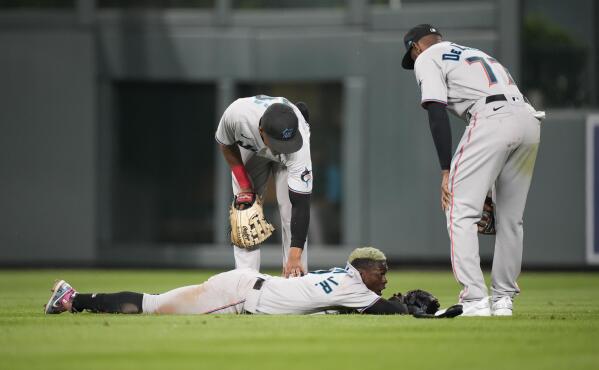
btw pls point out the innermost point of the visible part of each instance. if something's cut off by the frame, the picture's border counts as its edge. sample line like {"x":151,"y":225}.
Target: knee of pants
{"x":464,"y":216}
{"x":285,"y":212}
{"x":502,"y":222}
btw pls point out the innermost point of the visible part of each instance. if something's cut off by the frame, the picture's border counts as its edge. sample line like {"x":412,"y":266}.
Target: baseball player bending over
{"x":355,"y":288}
{"x":263,"y":135}
{"x":499,"y":147}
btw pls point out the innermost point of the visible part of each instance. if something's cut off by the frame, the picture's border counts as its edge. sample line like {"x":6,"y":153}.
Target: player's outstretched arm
{"x":387,"y":307}
{"x":300,"y":220}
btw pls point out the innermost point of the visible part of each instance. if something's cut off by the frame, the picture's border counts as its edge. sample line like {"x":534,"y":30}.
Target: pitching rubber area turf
{"x":556,"y":326}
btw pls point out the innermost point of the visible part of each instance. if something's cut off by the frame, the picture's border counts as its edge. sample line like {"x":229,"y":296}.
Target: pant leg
{"x":185,"y":300}
{"x":280,"y":177}
{"x":222,"y":293}
{"x":512,"y":188}
{"x":481,"y":154}
{"x":121,"y":302}
{"x":259,"y":169}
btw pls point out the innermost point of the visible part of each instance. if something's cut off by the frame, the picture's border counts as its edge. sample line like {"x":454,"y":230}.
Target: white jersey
{"x":240,"y":125}
{"x":459,"y":76}
{"x":316,"y":291}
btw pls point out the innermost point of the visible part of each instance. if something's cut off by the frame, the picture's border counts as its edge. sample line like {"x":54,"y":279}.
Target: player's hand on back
{"x":293,"y":266}
{"x":445,"y":194}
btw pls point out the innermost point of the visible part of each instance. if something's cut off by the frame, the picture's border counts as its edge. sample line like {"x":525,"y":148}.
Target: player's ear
{"x":415,"y":51}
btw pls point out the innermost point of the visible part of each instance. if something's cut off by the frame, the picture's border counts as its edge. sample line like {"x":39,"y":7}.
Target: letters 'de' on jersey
{"x":459,"y":76}
{"x":317,"y":291}
{"x":240,"y":125}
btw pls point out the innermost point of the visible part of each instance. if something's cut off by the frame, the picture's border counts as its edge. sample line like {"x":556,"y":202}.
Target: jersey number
{"x":326,"y":284}
{"x":266,"y":100}
{"x":489,"y":70}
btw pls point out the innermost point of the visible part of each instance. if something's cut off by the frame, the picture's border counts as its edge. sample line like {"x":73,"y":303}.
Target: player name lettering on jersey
{"x":459,"y":76}
{"x":317,"y":291}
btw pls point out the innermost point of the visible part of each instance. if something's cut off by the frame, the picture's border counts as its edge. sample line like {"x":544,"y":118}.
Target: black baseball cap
{"x":280,"y":124}
{"x":413,"y":36}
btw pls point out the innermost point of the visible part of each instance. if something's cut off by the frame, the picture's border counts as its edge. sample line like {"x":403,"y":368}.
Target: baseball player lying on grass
{"x":356,"y":288}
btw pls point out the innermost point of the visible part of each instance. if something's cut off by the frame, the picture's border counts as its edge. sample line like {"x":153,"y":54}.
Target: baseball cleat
{"x":503,"y":307}
{"x":476,"y":308}
{"x":61,"y":298}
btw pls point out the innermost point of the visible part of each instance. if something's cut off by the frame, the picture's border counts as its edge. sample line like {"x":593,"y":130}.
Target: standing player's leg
{"x":280,"y":177}
{"x":512,"y":188}
{"x":259,"y":169}
{"x":475,"y":166}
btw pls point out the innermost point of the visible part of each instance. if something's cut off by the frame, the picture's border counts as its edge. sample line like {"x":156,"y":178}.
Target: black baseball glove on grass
{"x":422,"y":304}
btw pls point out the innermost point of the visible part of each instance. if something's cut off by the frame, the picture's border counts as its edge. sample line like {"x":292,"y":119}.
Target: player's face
{"x":265,"y":140}
{"x":375,"y":278}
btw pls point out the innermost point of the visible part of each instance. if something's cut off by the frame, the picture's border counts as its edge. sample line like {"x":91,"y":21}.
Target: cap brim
{"x":286,"y":146}
{"x":407,"y":61}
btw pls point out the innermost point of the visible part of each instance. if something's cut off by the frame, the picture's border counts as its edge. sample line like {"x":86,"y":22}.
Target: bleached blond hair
{"x":367,"y":253}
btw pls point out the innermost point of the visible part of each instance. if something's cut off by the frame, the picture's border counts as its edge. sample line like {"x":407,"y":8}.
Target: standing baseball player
{"x":355,"y":288}
{"x":499,"y":147}
{"x":260,"y":136}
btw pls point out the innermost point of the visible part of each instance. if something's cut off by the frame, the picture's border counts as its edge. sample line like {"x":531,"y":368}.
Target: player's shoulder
{"x":440,"y":47}
{"x":240,"y":104}
{"x":353,"y":273}
{"x":432,"y":55}
{"x":333,"y":270}
{"x":241,"y":109}
{"x":435,"y":50}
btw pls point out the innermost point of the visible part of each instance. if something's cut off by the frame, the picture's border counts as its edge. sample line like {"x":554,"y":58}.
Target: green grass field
{"x":556,"y":326}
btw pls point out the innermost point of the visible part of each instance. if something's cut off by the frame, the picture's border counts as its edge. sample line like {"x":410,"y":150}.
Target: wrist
{"x":295,"y":252}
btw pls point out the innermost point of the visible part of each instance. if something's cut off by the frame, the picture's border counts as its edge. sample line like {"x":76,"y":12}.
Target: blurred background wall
{"x":108,"y":110}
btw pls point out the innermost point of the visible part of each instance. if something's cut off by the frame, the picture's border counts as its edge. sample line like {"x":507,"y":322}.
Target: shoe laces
{"x":504,"y":302}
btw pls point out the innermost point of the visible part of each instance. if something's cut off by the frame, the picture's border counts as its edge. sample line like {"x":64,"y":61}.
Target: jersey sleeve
{"x":430,"y":78}
{"x":225,"y":132}
{"x":357,"y":296}
{"x":299,"y":171}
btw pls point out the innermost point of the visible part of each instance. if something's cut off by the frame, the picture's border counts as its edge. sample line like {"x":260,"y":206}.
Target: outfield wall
{"x":56,"y":145}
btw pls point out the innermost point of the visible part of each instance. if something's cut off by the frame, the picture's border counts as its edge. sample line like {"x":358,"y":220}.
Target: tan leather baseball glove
{"x":249,"y":228}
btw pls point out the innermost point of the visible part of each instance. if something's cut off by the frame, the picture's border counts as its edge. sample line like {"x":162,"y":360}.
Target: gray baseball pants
{"x":499,"y":147}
